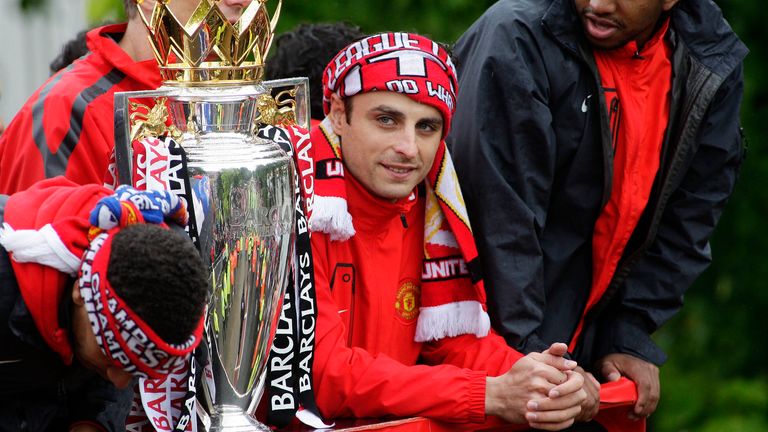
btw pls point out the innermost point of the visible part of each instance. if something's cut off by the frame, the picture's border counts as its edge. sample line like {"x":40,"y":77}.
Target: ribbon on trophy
{"x":170,"y":403}
{"x":289,"y":369}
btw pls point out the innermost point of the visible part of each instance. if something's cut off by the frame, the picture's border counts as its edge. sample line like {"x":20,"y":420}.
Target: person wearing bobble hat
{"x":402,"y":328}
{"x":95,"y":290}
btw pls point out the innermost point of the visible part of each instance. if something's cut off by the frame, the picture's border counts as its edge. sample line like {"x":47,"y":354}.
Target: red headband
{"x":399,"y":62}
{"x":125,"y":339}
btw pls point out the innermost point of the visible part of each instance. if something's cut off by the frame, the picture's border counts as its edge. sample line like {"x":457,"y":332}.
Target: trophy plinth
{"x":232,"y":419}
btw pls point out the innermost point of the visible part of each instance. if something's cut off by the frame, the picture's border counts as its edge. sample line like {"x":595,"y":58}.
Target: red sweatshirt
{"x":66,"y":206}
{"x":366,"y":361}
{"x":637,"y":84}
{"x":67,"y":127}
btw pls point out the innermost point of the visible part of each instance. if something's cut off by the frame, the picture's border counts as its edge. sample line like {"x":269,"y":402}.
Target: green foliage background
{"x":717,"y":376}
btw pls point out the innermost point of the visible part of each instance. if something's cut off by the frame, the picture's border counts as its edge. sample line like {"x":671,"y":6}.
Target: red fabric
{"x":398,"y":62}
{"x":440,"y":290}
{"x":368,"y":291}
{"x":638,"y":103}
{"x":50,"y":123}
{"x":617,"y":399}
{"x":62,"y":203}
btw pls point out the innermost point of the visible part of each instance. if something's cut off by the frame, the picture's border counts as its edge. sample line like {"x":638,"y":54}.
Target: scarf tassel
{"x":330,"y":216}
{"x":452,"y":319}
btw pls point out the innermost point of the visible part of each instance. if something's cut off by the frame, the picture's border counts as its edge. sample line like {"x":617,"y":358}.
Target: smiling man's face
{"x":388,"y":141}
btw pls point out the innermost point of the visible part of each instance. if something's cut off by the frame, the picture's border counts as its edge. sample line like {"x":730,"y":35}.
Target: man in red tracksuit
{"x":67,"y":127}
{"x":402,"y":328}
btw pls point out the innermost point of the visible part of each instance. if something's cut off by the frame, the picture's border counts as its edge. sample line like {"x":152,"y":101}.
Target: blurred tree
{"x":717,"y":376}
{"x":31,"y":5}
{"x":100,"y":11}
{"x":424,"y":16}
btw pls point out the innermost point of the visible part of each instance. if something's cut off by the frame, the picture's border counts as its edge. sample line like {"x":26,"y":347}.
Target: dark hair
{"x":306,"y":50}
{"x":348,"y":109}
{"x":159,"y":274}
{"x":71,"y":51}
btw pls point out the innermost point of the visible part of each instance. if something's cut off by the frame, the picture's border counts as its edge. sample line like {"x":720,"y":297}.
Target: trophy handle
{"x":133,"y":120}
{"x":285,"y":102}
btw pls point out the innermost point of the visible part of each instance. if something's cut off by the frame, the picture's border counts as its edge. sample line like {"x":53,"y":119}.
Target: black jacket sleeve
{"x":504,"y":151}
{"x":680,"y":252}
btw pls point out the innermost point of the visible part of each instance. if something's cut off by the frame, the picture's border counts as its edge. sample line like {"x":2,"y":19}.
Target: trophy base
{"x":234,"y":420}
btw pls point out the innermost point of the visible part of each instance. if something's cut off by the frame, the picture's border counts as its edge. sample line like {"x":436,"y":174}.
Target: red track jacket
{"x":67,"y":127}
{"x":368,"y":297}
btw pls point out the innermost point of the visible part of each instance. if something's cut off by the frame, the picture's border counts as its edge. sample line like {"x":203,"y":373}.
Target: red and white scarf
{"x":452,"y":295}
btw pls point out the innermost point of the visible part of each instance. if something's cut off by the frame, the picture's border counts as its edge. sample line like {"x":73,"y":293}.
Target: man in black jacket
{"x":597,"y":142}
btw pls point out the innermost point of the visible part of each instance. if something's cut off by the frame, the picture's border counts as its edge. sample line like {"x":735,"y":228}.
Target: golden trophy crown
{"x":208,"y":50}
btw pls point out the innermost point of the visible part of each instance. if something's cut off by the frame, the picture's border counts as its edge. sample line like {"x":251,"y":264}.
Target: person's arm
{"x":351,"y":382}
{"x":490,"y":353}
{"x":57,"y":132}
{"x":680,"y":252}
{"x":504,"y":151}
{"x":519,"y":388}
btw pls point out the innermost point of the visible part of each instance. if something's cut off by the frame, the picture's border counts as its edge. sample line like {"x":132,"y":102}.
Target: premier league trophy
{"x":196,"y":136}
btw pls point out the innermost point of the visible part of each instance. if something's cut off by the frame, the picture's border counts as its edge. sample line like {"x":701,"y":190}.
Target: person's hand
{"x":544,"y":378}
{"x":644,"y":374}
{"x":591,"y":404}
{"x":562,"y":406}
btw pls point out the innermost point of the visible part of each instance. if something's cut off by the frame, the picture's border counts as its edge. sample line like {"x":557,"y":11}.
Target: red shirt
{"x":66,"y":206}
{"x":637,"y":84}
{"x":67,"y":127}
{"x":366,"y":361}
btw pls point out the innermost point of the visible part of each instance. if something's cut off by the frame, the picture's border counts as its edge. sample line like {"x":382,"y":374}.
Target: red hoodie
{"x":66,"y":206}
{"x":367,"y":294}
{"x":67,"y":127}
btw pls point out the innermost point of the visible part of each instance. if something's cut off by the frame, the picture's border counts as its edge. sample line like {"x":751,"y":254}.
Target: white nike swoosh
{"x":9,"y":361}
{"x":584,"y":104}
{"x":344,"y":310}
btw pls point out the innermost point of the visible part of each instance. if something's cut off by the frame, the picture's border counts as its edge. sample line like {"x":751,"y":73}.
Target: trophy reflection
{"x":195,"y":137}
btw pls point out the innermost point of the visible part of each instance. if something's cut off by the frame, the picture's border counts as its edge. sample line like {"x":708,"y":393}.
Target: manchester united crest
{"x":408,"y":301}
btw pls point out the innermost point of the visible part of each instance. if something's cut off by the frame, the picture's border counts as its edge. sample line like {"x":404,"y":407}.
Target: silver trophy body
{"x":245,"y":236}
{"x":241,"y":198}
{"x":239,"y":188}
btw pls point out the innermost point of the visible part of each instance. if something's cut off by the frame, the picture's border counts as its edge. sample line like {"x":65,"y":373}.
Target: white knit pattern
{"x":452,"y":319}
{"x":330,"y":216}
{"x":41,"y":246}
